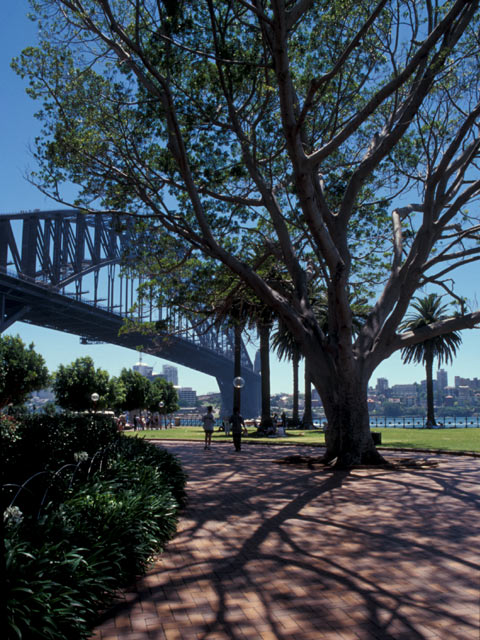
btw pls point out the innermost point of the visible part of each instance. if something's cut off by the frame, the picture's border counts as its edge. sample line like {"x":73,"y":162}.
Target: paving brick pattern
{"x":275,"y":552}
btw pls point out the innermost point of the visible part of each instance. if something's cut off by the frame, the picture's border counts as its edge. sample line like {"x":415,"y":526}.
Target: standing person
{"x":208,"y":422}
{"x":226,"y":426}
{"x":238,"y":425}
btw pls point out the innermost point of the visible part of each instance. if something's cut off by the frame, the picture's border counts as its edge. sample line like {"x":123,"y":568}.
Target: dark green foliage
{"x":444,"y":347}
{"x":428,"y":311}
{"x":137,"y":449}
{"x":74,"y":384}
{"x":50,"y":441}
{"x":54,"y":591}
{"x":8,"y":438}
{"x":67,"y":556}
{"x":136,"y":389}
{"x":162,"y":391}
{"x":132,"y":508}
{"x":22,"y":370}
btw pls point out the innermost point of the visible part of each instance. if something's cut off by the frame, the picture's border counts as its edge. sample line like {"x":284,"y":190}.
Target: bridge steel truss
{"x":61,"y":270}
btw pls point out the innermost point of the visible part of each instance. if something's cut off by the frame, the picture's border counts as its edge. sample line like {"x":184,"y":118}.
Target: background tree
{"x":137,"y":390}
{"x":428,"y":311}
{"x":284,"y":344}
{"x":22,"y":370}
{"x":162,"y":391}
{"x":339,"y":139}
{"x":74,"y":383}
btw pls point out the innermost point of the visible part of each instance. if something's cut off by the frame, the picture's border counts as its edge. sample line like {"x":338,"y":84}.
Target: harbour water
{"x":410,"y":422}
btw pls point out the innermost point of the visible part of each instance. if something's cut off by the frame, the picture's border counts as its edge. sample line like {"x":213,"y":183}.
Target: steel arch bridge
{"x":61,"y":269}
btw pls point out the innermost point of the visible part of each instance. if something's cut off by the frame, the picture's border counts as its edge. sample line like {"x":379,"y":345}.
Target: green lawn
{"x":448,"y":439}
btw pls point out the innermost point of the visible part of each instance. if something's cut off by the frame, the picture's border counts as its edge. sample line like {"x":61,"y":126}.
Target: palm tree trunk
{"x":430,"y":401}
{"x":237,"y":363}
{"x":307,"y":421}
{"x":295,"y":363}
{"x":264,"y":333}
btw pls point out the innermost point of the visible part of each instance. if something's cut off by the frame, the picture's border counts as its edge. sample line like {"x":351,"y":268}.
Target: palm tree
{"x":307,"y":420}
{"x":443,"y":347}
{"x":288,"y":348}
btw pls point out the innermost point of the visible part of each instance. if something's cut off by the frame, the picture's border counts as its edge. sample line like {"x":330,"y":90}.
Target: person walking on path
{"x":226,"y":425}
{"x":208,"y":423}
{"x":238,"y":426}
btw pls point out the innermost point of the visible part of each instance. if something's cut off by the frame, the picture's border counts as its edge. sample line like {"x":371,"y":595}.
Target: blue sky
{"x":18,"y":131}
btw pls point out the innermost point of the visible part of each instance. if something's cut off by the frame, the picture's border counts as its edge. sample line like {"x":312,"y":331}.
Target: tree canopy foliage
{"x":334,"y":143}
{"x":75,"y":383}
{"x":427,"y":311}
{"x":22,"y":370}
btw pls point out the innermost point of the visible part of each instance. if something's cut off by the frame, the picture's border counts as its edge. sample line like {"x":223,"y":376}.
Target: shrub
{"x":149,"y":454}
{"x":133,"y":509}
{"x":8,"y":437}
{"x":46,"y":442}
{"x":54,"y":589}
{"x":65,"y":565}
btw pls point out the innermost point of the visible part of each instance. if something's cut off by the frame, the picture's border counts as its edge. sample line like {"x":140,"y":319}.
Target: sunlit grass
{"x":446,"y":439}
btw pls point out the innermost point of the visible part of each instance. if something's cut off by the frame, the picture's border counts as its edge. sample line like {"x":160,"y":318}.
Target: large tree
{"x":22,"y":370}
{"x":137,"y":390}
{"x":74,"y":384}
{"x":161,"y":391}
{"x":338,"y":139}
{"x":425,"y":312}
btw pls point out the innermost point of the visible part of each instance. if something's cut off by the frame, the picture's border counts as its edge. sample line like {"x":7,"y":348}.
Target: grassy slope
{"x":448,"y":439}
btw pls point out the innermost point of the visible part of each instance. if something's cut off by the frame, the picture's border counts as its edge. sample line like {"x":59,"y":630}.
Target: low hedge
{"x":46,"y":442}
{"x":65,"y":559}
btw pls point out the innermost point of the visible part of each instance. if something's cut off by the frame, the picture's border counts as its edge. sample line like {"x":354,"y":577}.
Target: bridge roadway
{"x":40,"y":305}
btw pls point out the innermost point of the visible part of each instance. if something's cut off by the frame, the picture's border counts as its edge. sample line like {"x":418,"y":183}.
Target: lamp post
{"x":238,"y":384}
{"x":94,"y":398}
{"x":161,"y":404}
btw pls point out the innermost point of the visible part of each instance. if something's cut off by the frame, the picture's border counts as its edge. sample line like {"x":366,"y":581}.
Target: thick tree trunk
{"x":348,"y":438}
{"x":295,"y":364}
{"x":264,"y":333}
{"x":430,"y":400}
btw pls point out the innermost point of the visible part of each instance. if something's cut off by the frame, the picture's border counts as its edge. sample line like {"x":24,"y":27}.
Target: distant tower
{"x":382,"y":385}
{"x":144,"y":369}
{"x":170,"y":374}
{"x":442,"y":379}
{"x":257,"y":367}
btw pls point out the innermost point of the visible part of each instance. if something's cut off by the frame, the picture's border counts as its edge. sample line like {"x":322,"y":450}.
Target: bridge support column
{"x":250,"y":398}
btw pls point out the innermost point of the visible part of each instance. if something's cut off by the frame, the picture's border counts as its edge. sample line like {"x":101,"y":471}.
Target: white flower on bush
{"x":12,"y":515}
{"x":80,"y":456}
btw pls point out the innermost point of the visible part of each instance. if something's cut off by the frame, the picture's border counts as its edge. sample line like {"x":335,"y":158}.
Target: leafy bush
{"x":65,"y":565}
{"x":46,"y":442}
{"x":54,"y":589}
{"x":8,"y":437}
{"x":169,"y":465}
{"x":132,"y":509}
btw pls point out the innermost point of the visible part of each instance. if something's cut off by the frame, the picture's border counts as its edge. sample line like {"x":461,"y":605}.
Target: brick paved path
{"x":269,"y":551}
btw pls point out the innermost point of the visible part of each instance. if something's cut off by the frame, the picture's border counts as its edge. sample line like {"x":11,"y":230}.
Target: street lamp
{"x":94,"y":398}
{"x":238,"y":384}
{"x":161,"y":404}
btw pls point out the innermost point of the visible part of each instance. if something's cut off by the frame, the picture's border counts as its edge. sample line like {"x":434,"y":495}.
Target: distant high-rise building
{"x":187,"y":397}
{"x":170,"y":374}
{"x":442,"y":379}
{"x":145,"y":369}
{"x":473,"y":383}
{"x":257,"y":367}
{"x":382,"y":385}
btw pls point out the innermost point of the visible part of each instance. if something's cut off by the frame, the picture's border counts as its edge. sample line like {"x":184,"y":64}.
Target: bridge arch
{"x":51,"y":263}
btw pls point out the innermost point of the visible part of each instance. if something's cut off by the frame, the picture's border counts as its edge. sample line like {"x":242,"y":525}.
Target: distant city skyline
{"x":19,"y":129}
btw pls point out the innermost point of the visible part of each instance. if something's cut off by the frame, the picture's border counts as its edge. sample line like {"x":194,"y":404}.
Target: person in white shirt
{"x":208,"y":423}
